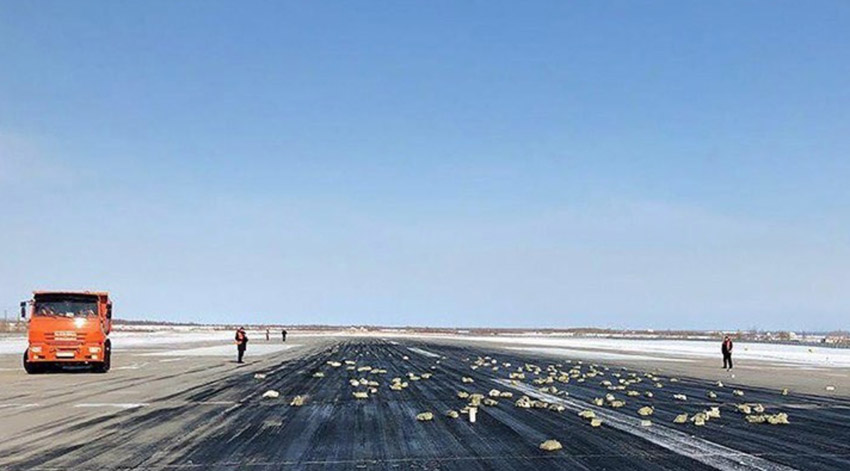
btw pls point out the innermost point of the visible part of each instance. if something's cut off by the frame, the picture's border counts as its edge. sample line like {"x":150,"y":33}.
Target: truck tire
{"x":29,"y":367}
{"x":106,"y":364}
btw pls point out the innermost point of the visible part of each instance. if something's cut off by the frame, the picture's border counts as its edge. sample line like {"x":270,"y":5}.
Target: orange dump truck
{"x":68,"y":328}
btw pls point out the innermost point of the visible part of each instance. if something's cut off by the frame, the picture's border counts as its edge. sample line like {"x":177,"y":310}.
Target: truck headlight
{"x":35,"y":349}
{"x":94,"y":349}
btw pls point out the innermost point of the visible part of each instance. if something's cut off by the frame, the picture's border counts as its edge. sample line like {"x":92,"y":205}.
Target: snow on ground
{"x":223,"y":351}
{"x":772,"y":353}
{"x":15,"y":344}
{"x":128,"y":340}
{"x":131,"y":340}
{"x":578,"y":347}
{"x":595,"y":355}
{"x":135,"y":340}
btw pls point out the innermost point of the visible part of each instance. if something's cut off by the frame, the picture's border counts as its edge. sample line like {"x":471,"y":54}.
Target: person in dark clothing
{"x":267,"y":335}
{"x":727,"y":353}
{"x":241,"y":344}
{"x":283,"y":334}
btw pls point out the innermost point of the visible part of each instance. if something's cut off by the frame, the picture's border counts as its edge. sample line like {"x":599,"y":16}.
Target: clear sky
{"x":659,"y":164}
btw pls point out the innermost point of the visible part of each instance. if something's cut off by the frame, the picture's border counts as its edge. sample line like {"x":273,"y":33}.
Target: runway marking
{"x":7,"y":406}
{"x":169,"y":360}
{"x":424,"y":352}
{"x":134,"y":366}
{"x":137,"y":405}
{"x":698,"y":449}
{"x":119,"y":405}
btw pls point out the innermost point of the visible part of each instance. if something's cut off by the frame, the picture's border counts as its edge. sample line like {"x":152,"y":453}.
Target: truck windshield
{"x":68,"y":307}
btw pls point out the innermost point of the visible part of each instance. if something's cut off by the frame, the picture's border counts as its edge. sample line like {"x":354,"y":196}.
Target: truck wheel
{"x":104,"y":366}
{"x":29,"y":367}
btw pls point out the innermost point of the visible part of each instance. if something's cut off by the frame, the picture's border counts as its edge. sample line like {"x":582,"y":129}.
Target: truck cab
{"x":68,"y":328}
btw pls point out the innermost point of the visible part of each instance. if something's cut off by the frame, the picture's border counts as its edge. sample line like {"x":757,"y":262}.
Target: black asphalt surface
{"x":210,"y":414}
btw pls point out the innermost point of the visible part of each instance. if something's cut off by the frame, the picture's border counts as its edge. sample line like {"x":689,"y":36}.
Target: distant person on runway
{"x":267,"y":335}
{"x":241,"y":344}
{"x":283,"y":334}
{"x":727,"y":353}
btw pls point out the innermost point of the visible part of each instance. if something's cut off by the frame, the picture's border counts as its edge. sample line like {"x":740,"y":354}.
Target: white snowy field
{"x":227,"y":350}
{"x":130,"y":340}
{"x":597,"y":355}
{"x":589,"y":348}
{"x":673,"y":350}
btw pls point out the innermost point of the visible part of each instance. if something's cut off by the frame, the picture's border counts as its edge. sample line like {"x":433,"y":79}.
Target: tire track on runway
{"x":335,"y":430}
{"x":709,"y":453}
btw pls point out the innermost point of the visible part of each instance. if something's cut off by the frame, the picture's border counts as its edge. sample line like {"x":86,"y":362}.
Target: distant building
{"x":836,"y":339}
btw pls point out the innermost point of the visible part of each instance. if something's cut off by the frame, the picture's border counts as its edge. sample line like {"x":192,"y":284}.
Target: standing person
{"x":241,"y":344}
{"x":727,"y":353}
{"x":267,"y":335}
{"x":283,"y":334}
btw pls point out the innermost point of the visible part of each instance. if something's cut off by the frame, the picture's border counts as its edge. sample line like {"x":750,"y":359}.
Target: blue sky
{"x":532,"y":164}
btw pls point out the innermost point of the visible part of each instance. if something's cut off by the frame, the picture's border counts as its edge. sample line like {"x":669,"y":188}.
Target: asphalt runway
{"x":155,"y":412}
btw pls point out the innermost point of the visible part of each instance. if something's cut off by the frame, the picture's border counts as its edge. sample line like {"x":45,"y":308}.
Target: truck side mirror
{"x":109,"y":311}
{"x":23,"y":309}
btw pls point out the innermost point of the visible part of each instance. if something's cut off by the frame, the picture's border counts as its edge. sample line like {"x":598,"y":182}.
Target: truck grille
{"x":65,"y":337}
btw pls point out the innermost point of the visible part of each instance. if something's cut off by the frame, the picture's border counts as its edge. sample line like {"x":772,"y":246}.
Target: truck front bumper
{"x":64,"y":353}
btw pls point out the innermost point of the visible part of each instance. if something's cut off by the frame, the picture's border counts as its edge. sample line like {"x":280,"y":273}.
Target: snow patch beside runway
{"x":13,"y":345}
{"x":223,"y":351}
{"x":797,"y":355}
{"x":130,"y":340}
{"x":594,"y":354}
